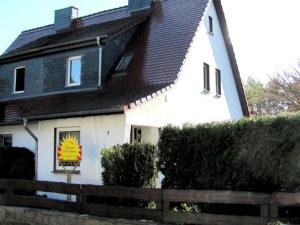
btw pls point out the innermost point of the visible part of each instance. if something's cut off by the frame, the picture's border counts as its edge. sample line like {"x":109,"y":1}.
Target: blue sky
{"x":265,"y":33}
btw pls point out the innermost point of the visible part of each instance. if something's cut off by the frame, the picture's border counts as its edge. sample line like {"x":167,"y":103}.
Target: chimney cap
{"x":139,"y":5}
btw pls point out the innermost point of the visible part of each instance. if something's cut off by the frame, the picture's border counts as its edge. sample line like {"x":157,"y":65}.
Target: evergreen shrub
{"x":260,"y":155}
{"x":16,"y":163}
{"x":130,"y":165}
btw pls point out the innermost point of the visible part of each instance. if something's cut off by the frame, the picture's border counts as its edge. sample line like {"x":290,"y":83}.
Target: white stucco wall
{"x":20,"y":137}
{"x":187,"y":102}
{"x":95,"y":133}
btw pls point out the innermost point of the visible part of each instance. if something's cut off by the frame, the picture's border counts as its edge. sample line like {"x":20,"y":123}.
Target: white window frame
{"x":138,"y":128}
{"x":68,"y":79}
{"x":57,"y":167}
{"x":15,"y":80}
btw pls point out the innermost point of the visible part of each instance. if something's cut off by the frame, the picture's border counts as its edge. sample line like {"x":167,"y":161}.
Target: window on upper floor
{"x":123,"y":64}
{"x":206,"y":77}
{"x":6,"y":140}
{"x":218,"y":82}
{"x":19,"y":80}
{"x":211,"y":25}
{"x":74,"y":71}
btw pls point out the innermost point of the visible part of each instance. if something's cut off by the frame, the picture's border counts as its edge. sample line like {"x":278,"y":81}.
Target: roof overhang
{"x":51,"y":49}
{"x":100,"y":112}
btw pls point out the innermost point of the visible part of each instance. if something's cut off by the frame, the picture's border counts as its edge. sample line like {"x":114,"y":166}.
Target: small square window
{"x":74,"y":71}
{"x":218,"y":83}
{"x":211,"y":25}
{"x":6,"y":140}
{"x":206,"y":77}
{"x":123,"y":64}
{"x":19,"y":82}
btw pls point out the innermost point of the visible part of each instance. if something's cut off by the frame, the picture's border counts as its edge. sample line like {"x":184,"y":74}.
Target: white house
{"x":117,"y":76}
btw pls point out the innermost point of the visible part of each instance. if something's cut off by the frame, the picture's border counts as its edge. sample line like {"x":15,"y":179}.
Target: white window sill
{"x":206,"y":91}
{"x":18,"y":92}
{"x":72,"y":85}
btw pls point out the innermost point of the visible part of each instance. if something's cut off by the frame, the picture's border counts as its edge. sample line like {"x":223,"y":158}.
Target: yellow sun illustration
{"x":69,"y":149}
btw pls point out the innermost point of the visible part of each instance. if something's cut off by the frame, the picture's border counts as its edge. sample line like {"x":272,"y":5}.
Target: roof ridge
{"x":37,"y":29}
{"x":82,"y":18}
{"x":103,"y":12}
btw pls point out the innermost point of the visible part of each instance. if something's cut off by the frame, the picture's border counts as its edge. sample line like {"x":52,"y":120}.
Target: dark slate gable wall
{"x":113,"y":51}
{"x":47,"y":74}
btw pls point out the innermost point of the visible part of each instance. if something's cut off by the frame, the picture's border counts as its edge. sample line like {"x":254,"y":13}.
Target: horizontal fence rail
{"x":164,"y":205}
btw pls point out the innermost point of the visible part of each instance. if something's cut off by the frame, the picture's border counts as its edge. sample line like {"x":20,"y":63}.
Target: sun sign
{"x":69,"y":149}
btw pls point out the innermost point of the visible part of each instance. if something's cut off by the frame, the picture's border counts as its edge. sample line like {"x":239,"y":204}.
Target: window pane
{"x":64,"y":134}
{"x":206,"y":77}
{"x":124,"y":63}
{"x":20,"y":79}
{"x":75,"y":71}
{"x":211,"y":28}
{"x":218,"y":82}
{"x":6,"y":140}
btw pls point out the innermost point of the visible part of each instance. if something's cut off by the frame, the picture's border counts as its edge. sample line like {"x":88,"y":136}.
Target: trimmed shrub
{"x":249,"y":155}
{"x":131,"y":165}
{"x":16,"y":163}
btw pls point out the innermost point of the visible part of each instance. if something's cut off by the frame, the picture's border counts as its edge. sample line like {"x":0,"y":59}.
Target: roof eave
{"x":50,"y":49}
{"x":101,"y":112}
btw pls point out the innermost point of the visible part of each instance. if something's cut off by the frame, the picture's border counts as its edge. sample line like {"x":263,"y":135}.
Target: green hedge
{"x":16,"y":163}
{"x":248,"y":155}
{"x":131,"y":165}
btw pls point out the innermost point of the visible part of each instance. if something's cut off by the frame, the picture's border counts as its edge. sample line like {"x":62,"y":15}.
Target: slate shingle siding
{"x":47,"y":74}
{"x":55,"y":70}
{"x":33,"y":78}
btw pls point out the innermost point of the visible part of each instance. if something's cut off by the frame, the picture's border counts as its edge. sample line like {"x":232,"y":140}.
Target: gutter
{"x":36,"y":144}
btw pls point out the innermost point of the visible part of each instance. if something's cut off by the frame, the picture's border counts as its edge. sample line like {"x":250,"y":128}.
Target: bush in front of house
{"x":130,"y":165}
{"x":260,"y":155}
{"x":16,"y":163}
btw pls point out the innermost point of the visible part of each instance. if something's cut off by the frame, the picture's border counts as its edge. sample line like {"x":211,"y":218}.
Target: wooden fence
{"x":151,"y":204}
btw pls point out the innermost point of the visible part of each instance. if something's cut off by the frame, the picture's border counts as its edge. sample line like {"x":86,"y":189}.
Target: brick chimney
{"x":63,"y":18}
{"x":139,"y":5}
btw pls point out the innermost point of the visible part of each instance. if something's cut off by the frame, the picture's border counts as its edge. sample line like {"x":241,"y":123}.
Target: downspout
{"x":36,"y":144}
{"x":100,"y":46}
{"x":100,"y":62}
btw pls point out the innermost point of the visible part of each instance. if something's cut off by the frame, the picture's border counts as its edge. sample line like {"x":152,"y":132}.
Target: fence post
{"x":273,"y":212}
{"x":79,"y":200}
{"x":265,"y":213}
{"x":165,"y":207}
{"x":83,"y":199}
